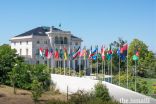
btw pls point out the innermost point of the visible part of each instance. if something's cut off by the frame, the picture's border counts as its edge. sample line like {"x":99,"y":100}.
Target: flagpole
{"x":74,"y":67}
{"x":108,"y":70}
{"x":135,"y":76}
{"x":102,"y":69}
{"x":97,"y":64}
{"x":69,"y":60}
{"x":79,"y":64}
{"x":127,"y":65}
{"x":111,"y":68}
{"x":119,"y":70}
{"x":64,"y":66}
{"x":60,"y":65}
{"x":85,"y":61}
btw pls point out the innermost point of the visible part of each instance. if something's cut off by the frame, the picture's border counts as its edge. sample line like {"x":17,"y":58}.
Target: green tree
{"x":36,"y":90}
{"x":115,"y":60}
{"x":8,"y":59}
{"x":142,"y":49}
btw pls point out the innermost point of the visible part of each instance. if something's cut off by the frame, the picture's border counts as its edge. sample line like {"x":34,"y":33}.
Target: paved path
{"x":119,"y":93}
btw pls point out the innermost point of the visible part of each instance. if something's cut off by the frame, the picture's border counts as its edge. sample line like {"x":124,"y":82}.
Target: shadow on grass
{"x":2,"y":95}
{"x":25,"y":94}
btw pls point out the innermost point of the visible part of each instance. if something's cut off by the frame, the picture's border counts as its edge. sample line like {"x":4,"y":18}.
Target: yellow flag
{"x":65,"y":54}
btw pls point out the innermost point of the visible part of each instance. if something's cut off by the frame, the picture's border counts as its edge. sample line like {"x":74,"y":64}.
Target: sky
{"x":96,"y":22}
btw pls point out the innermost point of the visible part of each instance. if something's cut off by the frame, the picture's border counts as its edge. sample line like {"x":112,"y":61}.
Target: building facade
{"x":28,"y":45}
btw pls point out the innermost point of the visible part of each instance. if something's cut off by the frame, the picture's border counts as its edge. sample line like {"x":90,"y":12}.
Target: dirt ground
{"x":24,"y":97}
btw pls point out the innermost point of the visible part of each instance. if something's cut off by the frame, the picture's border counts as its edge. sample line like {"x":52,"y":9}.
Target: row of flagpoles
{"x":122,"y":52}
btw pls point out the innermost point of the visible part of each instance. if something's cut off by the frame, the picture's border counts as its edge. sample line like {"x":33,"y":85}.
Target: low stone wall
{"x":119,"y":93}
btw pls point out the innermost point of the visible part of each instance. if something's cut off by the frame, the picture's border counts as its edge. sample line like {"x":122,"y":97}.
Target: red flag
{"x":47,"y":53}
{"x":123,"y":51}
{"x":56,"y":54}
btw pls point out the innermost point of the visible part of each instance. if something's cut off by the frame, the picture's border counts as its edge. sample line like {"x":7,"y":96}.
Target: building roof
{"x":75,"y":38}
{"x":39,"y":31}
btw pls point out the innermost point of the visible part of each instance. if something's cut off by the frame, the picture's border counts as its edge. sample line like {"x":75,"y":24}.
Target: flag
{"x":76,"y":53}
{"x":90,"y":52}
{"x":100,"y":56}
{"x":60,"y":53}
{"x":47,"y":53}
{"x":40,"y":52}
{"x":65,"y":54}
{"x":108,"y":56}
{"x":51,"y":53}
{"x":136,"y":54}
{"x":82,"y":52}
{"x":60,"y":25}
{"x":56,"y":54}
{"x":74,"y":50}
{"x":110,"y":52}
{"x":118,"y":53}
{"x":85,"y":52}
{"x":69,"y":53}
{"x":103,"y":53}
{"x":123,"y":51}
{"x":96,"y":53}
{"x":43,"y":53}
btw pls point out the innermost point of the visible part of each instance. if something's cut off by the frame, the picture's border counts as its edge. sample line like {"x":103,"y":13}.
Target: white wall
{"x":76,"y":83}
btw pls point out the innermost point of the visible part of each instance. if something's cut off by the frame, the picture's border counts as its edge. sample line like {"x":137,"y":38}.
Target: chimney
{"x":51,"y":29}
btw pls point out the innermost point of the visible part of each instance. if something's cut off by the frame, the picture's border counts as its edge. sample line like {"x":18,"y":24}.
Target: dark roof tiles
{"x":39,"y":31}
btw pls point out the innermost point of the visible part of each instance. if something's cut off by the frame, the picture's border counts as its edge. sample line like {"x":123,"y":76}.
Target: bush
{"x":82,"y":96}
{"x":154,"y":88}
{"x":101,"y":91}
{"x":81,"y":73}
{"x":36,"y":90}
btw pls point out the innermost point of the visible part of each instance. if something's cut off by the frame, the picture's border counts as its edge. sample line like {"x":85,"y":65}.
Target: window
{"x":14,"y":43}
{"x":20,"y":43}
{"x":37,"y":52}
{"x":76,"y":62}
{"x":26,"y":42}
{"x":61,"y":40}
{"x":65,"y":40}
{"x":26,"y":51}
{"x":76,"y":43}
{"x":20,"y":51}
{"x":45,"y":62}
{"x":37,"y":62}
{"x":70,"y":43}
{"x":45,"y":42}
{"x":38,"y":42}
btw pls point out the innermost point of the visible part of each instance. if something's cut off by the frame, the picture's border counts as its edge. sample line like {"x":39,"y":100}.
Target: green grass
{"x":149,"y":84}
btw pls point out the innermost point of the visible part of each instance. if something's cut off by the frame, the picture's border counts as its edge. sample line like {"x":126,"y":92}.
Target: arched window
{"x":61,"y":40}
{"x":56,"y":40}
{"x":65,"y":40}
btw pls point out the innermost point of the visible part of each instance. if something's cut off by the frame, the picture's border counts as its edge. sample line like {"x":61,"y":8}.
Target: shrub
{"x":81,"y":73}
{"x":154,"y":87}
{"x":36,"y":90}
{"x":101,"y":91}
{"x":82,"y":96}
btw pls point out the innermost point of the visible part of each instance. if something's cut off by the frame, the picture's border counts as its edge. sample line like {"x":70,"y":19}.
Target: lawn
{"x":23,"y":96}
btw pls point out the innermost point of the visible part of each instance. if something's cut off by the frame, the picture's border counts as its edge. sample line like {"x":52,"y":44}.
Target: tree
{"x":8,"y":59}
{"x":142,"y":49}
{"x":115,"y":59}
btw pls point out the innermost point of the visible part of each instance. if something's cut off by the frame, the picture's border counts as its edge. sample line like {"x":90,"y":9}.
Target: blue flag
{"x":118,"y":53}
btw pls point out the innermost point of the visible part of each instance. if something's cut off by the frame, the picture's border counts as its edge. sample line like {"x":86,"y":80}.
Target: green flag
{"x":60,"y":53}
{"x":60,"y":25}
{"x":136,"y":54}
{"x":100,"y":56}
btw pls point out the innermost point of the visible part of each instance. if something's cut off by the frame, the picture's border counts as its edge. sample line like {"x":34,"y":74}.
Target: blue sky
{"x":97,"y":22}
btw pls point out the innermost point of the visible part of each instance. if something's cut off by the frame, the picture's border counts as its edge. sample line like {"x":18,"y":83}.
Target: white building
{"x":28,"y":44}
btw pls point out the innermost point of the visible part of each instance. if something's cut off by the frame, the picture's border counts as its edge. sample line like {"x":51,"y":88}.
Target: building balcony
{"x":62,"y":45}
{"x":26,"y":56}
